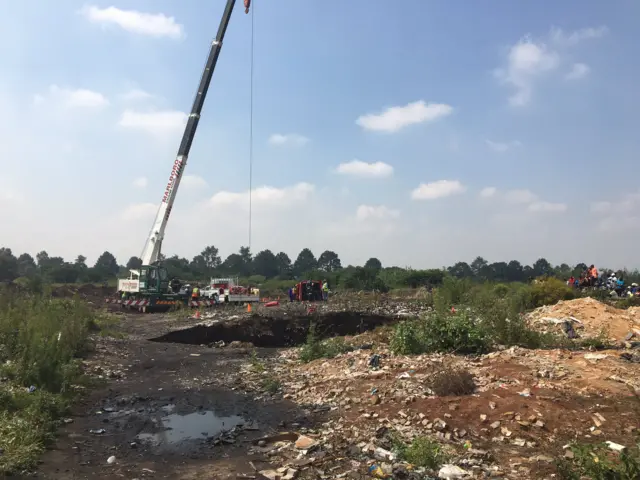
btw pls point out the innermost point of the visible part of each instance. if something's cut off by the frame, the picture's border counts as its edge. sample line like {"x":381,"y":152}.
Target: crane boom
{"x":153,"y":245}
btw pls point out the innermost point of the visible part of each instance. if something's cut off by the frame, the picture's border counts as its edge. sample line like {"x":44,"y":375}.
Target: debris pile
{"x":589,"y":318}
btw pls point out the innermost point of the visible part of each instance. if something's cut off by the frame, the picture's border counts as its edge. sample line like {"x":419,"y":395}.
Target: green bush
{"x":441,"y":332}
{"x":598,"y":462}
{"x":549,"y":292}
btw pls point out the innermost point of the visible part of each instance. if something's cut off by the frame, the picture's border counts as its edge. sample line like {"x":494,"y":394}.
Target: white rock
{"x":111,"y":460}
{"x":451,"y":472}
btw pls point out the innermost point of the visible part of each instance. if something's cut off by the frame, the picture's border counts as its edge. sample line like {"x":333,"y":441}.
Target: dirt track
{"x":147,"y":381}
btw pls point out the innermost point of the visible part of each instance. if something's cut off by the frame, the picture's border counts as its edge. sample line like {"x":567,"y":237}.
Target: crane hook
{"x":247,"y":4}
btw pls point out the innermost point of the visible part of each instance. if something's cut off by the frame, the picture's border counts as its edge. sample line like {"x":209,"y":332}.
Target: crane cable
{"x":251,"y":117}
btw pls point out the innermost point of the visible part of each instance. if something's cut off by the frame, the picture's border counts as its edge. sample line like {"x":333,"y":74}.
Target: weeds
{"x":598,"y":462}
{"x":256,"y":364}
{"x":315,"y":348}
{"x":452,"y":381}
{"x":271,"y":385}
{"x":421,"y":452}
{"x":40,"y":341}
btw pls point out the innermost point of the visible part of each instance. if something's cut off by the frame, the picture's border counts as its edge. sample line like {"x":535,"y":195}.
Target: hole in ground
{"x":263,"y":331}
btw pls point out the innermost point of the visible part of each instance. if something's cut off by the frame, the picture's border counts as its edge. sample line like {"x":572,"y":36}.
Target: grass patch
{"x":271,"y":385}
{"x":315,"y":348}
{"x":598,"y":462}
{"x":41,"y":340}
{"x":421,"y":452}
{"x":452,"y":381}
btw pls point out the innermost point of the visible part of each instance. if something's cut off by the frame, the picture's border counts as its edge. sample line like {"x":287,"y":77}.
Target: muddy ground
{"x":187,"y":399}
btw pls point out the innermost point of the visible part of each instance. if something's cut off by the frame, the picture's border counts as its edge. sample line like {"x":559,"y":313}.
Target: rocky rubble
{"x":514,"y":424}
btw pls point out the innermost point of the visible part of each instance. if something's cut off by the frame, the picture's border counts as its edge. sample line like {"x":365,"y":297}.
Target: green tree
{"x":329,"y":261}
{"x":107,"y":265}
{"x":373,"y":263}
{"x":211,"y":258}
{"x":26,"y":265}
{"x":542,"y":267}
{"x":8,"y":265}
{"x":134,"y":263}
{"x":305,"y":262}
{"x":265,"y":263}
{"x":460,"y":270}
{"x":284,"y":265}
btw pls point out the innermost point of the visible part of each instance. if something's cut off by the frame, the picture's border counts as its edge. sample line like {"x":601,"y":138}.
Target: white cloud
{"x":72,"y":98}
{"x":157,"y":123}
{"x":601,"y":207}
{"x":358,"y":168}
{"x":547,"y":207}
{"x":264,"y":197}
{"x":292,"y":139}
{"x":193,"y":182}
{"x":396,"y":118}
{"x":439,"y":189}
{"x":375,"y":212}
{"x":140,"y":182}
{"x":520,"y":196}
{"x":152,"y":24}
{"x":488,"y":192}
{"x":578,"y":70}
{"x":140,"y":211}
{"x":529,"y":60}
{"x":136,"y":94}
{"x":502,"y":147}
{"x":573,"y":38}
{"x":619,"y":215}
{"x":526,"y":61}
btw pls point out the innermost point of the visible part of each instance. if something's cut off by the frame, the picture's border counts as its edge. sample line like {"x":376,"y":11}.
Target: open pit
{"x":277,"y":331}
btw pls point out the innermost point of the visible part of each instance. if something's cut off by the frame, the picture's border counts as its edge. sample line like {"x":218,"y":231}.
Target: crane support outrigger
{"x":149,"y":286}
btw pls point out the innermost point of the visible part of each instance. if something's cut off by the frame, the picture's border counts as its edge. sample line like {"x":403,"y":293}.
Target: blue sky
{"x":423,"y":134}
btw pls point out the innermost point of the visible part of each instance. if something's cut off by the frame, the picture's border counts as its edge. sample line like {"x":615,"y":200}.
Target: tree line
{"x":266,"y":265}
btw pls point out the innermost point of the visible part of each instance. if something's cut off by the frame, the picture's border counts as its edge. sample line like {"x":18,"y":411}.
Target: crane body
{"x":149,"y":285}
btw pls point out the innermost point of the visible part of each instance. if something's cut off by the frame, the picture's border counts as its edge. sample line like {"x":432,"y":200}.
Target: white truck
{"x":230,"y":292}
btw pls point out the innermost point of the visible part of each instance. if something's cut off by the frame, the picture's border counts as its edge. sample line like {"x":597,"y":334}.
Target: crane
{"x":149,"y":285}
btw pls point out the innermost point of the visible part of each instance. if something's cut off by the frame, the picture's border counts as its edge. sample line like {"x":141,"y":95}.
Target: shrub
{"x":441,"y":332}
{"x":549,"y":292}
{"x":598,"y":462}
{"x":422,"y":452}
{"x":452,"y":381}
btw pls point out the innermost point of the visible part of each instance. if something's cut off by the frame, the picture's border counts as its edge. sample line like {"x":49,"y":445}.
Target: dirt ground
{"x":199,"y":409}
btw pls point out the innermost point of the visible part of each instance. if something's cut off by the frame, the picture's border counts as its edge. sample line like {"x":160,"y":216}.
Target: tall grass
{"x":40,"y":341}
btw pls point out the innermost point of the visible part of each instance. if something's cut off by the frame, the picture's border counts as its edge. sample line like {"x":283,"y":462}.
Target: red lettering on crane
{"x":175,"y":171}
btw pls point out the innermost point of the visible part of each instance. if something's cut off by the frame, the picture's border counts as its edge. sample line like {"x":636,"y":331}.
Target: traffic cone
{"x":248,"y":308}
{"x":198,"y":314}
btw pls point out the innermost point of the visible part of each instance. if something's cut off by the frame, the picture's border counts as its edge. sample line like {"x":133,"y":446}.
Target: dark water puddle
{"x":194,"y":426}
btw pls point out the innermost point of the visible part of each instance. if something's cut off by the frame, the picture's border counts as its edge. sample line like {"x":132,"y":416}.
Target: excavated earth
{"x":191,"y":399}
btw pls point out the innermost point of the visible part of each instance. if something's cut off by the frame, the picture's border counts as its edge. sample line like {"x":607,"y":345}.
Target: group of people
{"x":612,"y":282}
{"x":309,"y":291}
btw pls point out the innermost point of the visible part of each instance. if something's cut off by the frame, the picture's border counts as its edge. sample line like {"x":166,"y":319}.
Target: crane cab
{"x":148,"y":279}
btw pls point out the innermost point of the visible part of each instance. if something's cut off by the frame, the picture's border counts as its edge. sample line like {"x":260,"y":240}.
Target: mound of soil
{"x":595,"y":317}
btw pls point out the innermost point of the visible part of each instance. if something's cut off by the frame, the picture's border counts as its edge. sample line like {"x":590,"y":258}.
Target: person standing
{"x":325,"y":290}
